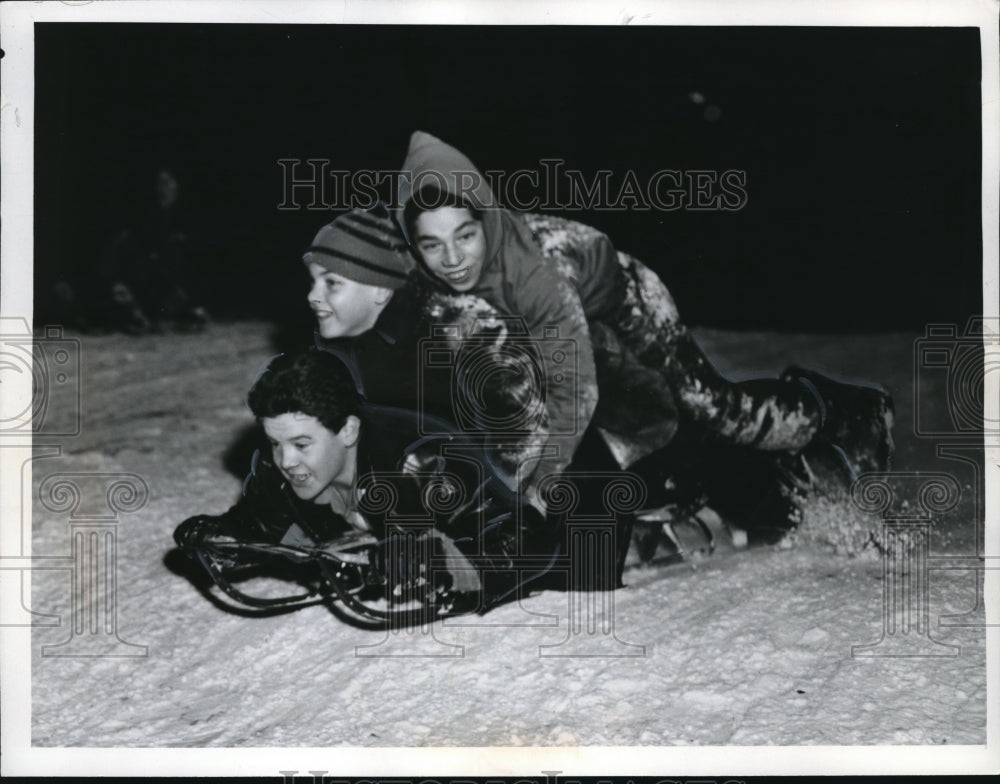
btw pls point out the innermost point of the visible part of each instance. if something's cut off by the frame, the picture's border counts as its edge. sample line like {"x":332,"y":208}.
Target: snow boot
{"x":855,"y":420}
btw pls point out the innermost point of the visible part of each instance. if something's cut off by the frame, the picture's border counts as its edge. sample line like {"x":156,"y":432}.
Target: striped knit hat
{"x":364,"y":246}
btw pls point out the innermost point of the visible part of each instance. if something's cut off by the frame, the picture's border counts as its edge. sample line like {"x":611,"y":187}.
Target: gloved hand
{"x":201,"y":531}
{"x":193,"y":531}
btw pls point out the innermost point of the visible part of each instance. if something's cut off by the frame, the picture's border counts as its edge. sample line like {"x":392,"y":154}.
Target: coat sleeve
{"x":587,"y":258}
{"x":262,"y":514}
{"x":555,"y":317}
{"x":600,"y":280}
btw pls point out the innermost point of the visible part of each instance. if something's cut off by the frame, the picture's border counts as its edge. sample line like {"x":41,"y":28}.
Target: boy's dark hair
{"x":429,"y":198}
{"x":313,"y":382}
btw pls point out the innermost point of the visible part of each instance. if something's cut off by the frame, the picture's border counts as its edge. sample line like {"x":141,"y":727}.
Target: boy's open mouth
{"x":459,"y":276}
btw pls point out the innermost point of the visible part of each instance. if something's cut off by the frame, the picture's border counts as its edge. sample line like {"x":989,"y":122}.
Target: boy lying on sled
{"x":356,"y":502}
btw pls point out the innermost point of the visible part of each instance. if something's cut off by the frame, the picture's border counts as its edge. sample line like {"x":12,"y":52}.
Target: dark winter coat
{"x":386,"y":360}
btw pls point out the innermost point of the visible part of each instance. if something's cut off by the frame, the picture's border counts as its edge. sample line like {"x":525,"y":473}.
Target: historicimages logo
{"x":314,"y":184}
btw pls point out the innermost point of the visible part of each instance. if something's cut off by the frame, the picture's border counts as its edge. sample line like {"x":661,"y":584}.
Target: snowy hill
{"x":742,"y":648}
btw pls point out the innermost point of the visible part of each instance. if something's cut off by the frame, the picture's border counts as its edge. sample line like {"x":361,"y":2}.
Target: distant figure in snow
{"x":150,"y":270}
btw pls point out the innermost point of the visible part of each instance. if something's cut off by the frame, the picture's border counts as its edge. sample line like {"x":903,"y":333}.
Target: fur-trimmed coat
{"x":632,"y":404}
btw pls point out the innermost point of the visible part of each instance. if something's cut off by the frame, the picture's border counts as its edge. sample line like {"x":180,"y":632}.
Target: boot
{"x":855,"y":420}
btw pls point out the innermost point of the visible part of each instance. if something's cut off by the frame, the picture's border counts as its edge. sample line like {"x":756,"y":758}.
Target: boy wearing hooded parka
{"x":567,"y":280}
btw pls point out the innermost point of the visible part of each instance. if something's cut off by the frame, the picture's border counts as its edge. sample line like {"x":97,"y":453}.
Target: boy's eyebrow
{"x":462,"y":225}
{"x":302,"y":437}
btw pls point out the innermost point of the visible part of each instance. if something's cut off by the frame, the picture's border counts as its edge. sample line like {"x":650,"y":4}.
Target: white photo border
{"x":16,"y":115}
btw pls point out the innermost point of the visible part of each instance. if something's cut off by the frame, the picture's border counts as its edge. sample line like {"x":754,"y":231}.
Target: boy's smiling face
{"x":452,"y":243}
{"x":315,"y":460}
{"x":344,"y":307}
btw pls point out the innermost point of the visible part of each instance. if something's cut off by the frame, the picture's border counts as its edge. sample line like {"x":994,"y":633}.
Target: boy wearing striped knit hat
{"x":356,"y":262}
{"x":366,"y":304}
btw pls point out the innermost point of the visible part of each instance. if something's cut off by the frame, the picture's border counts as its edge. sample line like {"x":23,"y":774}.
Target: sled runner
{"x":403,"y":580}
{"x":714,"y":499}
{"x":342,"y":575}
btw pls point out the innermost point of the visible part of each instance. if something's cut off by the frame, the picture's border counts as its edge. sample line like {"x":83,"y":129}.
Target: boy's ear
{"x":351,"y":430}
{"x":383,"y":296}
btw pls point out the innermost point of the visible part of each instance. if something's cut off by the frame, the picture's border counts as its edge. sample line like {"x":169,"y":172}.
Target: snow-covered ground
{"x":741,"y":648}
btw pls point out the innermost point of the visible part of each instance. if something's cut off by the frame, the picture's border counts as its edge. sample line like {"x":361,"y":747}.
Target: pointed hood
{"x":432,"y":162}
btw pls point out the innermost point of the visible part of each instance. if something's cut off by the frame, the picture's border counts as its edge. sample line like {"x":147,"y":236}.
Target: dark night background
{"x":861,"y":147}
